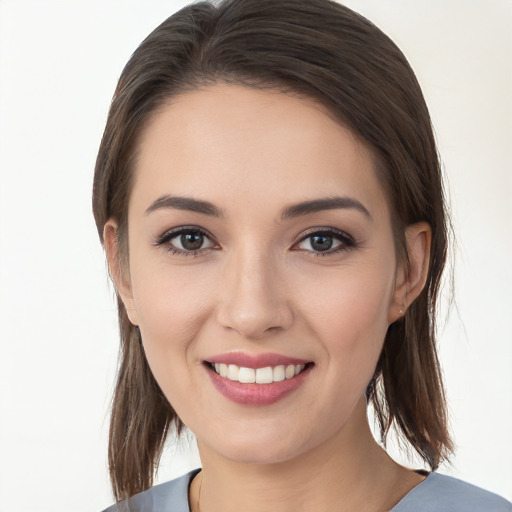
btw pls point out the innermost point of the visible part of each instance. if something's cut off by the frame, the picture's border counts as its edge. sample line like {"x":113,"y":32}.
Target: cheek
{"x":171,"y":307}
{"x":348,"y":311}
{"x":350,"y":300}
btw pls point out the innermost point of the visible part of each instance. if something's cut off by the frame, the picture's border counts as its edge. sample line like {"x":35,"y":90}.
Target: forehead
{"x":228,"y":142}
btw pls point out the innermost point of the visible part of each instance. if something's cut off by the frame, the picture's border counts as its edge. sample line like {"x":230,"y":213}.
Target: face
{"x":262,"y":269}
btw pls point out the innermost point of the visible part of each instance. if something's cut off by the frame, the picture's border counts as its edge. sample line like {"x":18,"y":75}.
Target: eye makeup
{"x":194,"y":240}
{"x":325,"y":241}
{"x":186,"y":241}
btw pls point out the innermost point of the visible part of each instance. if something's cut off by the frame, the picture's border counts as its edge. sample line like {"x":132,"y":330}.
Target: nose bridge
{"x":253,"y":299}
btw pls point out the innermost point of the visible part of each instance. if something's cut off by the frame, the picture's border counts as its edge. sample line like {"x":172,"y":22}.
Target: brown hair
{"x":329,"y":53}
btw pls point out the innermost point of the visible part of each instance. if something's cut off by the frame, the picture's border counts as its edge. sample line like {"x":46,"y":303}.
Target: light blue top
{"x":437,"y":493}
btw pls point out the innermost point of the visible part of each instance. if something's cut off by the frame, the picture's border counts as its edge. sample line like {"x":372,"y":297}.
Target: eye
{"x":186,"y":240}
{"x":326,"y":241}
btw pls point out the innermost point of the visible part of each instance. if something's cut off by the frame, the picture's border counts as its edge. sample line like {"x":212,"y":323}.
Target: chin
{"x":259,"y":454}
{"x":259,"y":446}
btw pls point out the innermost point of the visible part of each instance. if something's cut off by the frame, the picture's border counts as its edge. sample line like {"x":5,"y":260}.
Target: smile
{"x":266,"y":375}
{"x":256,"y":380}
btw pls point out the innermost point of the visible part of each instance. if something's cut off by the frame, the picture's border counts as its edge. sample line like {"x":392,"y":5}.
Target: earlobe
{"x":411,"y":277}
{"x":118,"y":269}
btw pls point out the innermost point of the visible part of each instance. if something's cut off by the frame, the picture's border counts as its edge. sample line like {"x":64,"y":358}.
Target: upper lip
{"x":243,"y":359}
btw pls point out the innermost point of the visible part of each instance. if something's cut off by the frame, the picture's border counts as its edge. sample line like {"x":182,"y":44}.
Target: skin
{"x":258,"y":285}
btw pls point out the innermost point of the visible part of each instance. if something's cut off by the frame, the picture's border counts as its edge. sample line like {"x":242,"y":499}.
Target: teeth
{"x":265,"y":375}
{"x":233,"y":372}
{"x":289,"y":372}
{"x":247,"y":375}
{"x":279,"y":373}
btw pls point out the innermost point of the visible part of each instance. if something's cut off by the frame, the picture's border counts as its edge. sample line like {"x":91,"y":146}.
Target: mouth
{"x":263,"y":375}
{"x":257,"y":380}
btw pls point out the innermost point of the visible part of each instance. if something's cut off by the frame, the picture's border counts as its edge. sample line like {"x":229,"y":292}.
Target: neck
{"x":350,"y":471}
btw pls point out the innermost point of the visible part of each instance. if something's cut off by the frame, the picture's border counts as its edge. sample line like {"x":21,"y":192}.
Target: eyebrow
{"x":184,"y":203}
{"x":295,"y":210}
{"x":328,"y":203}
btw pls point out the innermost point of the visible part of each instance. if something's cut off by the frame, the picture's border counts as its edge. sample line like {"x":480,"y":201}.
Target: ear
{"x":118,"y":269}
{"x":411,"y":278}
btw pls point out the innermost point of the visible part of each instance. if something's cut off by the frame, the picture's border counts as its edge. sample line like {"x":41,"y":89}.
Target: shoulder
{"x":170,"y":496}
{"x":441,"y":493}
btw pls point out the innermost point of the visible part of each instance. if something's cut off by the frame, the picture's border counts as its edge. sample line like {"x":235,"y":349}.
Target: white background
{"x":59,"y":62}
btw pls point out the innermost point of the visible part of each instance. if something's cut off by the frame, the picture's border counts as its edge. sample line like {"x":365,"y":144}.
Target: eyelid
{"x":347,"y":241}
{"x":169,"y":234}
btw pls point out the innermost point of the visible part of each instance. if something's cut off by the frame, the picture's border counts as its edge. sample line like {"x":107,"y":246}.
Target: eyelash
{"x":164,"y":240}
{"x":346,"y":241}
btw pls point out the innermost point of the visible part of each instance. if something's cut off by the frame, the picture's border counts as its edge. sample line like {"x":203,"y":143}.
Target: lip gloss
{"x":254,"y":394}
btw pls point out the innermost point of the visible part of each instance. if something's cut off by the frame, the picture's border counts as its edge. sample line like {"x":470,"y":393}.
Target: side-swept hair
{"x":325,"y":51}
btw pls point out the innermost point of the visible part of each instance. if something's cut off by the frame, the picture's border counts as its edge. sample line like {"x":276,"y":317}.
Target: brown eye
{"x":186,"y":241}
{"x":192,"y":241}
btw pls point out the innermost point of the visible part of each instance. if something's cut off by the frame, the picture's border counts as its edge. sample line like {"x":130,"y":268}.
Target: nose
{"x":253,"y":300}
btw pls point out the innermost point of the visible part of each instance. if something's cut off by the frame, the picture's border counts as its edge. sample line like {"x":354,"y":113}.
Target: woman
{"x":269,"y":197}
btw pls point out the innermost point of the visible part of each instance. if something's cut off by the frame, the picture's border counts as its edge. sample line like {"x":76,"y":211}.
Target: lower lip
{"x":257,"y":394}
